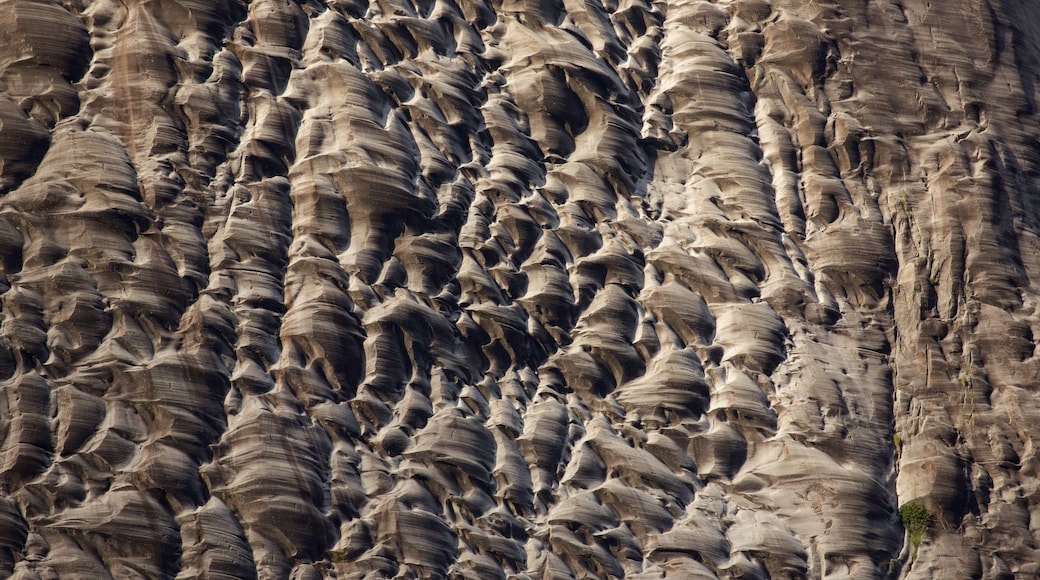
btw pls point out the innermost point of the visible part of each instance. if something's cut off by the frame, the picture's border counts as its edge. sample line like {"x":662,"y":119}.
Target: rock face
{"x":519,"y":288}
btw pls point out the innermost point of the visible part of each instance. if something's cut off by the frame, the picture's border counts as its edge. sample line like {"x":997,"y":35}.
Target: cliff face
{"x":543,"y":289}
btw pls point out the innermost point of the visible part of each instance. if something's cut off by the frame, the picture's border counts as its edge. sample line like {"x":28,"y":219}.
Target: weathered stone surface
{"x":519,"y":288}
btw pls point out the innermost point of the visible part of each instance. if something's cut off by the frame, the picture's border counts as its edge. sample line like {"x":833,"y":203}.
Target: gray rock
{"x":519,"y":289}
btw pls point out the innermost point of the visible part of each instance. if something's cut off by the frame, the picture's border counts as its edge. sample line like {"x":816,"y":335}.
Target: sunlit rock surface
{"x":519,"y":288}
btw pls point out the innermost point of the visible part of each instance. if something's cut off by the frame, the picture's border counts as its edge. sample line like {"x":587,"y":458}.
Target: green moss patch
{"x":916,"y":521}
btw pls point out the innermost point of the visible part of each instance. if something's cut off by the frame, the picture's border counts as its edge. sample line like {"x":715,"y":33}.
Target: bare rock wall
{"x":519,"y":289}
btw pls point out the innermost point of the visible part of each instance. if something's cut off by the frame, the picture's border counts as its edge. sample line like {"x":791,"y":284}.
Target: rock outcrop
{"x":519,"y":289}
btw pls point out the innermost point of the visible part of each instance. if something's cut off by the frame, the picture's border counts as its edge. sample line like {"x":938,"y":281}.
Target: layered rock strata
{"x":519,"y":289}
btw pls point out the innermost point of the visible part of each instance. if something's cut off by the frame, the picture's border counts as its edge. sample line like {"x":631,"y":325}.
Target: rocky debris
{"x":518,"y":289}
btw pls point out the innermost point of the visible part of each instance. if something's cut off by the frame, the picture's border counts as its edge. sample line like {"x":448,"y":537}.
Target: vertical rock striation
{"x":519,"y":289}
